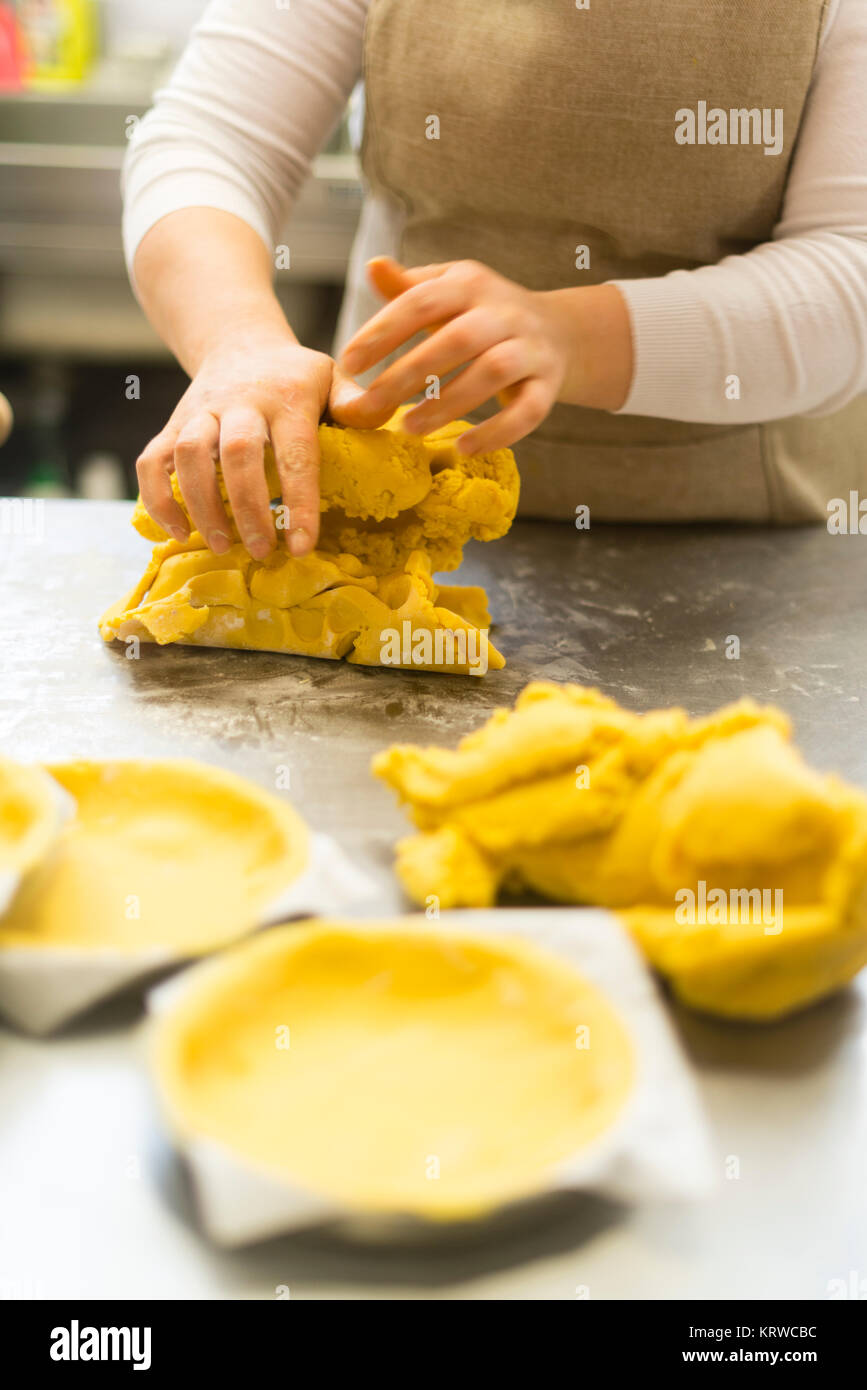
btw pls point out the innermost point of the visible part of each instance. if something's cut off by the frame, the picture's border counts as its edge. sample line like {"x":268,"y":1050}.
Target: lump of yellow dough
{"x":405,"y":1042}
{"x":317,"y":606}
{"x":739,"y":870}
{"x":445,"y":867}
{"x":385,"y":494}
{"x":158,"y":854}
{"x":29,"y":823}
{"x":551,"y":730}
{"x":395,"y":508}
{"x":782,"y":854}
{"x":423,"y":633}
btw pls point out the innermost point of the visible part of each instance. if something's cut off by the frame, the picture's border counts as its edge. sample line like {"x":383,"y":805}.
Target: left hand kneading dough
{"x":395,"y":509}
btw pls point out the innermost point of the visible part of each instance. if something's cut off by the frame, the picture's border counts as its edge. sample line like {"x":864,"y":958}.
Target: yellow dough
{"x":29,"y":822}
{"x":395,"y":509}
{"x":394,"y":1067}
{"x":172,"y":854}
{"x":740,"y":872}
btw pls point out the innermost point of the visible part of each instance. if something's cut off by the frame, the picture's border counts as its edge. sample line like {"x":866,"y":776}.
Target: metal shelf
{"x":62,"y":275}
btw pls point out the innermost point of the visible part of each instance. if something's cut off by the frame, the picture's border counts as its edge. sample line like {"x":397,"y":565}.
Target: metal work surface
{"x":90,"y":1203}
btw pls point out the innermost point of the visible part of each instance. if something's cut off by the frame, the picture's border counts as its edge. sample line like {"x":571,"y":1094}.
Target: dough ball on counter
{"x":740,"y":871}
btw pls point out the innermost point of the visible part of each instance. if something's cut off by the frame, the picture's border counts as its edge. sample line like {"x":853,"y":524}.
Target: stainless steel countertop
{"x":90,"y":1203}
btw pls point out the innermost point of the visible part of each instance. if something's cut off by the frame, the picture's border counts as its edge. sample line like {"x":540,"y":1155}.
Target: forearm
{"x":777,"y":332}
{"x":210,"y":176}
{"x":204,"y":280}
{"x":230,"y":141}
{"x":593,"y":324}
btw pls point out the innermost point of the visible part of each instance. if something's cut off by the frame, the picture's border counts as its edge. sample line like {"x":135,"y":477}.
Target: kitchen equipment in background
{"x":102,"y":478}
{"x":57,"y":39}
{"x":13,"y":57}
{"x":49,"y":474}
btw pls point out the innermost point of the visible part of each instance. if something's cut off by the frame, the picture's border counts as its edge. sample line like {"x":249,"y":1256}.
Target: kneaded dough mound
{"x":395,"y":508}
{"x":741,"y":872}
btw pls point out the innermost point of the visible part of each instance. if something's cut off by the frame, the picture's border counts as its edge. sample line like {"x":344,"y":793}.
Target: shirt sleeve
{"x":789,"y":318}
{"x":257,"y":91}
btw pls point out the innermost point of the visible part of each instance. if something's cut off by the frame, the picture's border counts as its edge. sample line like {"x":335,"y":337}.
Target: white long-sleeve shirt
{"x":252,"y":102}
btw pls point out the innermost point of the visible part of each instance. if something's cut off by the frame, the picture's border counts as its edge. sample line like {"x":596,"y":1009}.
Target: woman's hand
{"x":528,"y":349}
{"x":260,"y":386}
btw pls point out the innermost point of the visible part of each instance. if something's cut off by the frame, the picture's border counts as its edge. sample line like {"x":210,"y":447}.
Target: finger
{"x":389,"y":278}
{"x":527,"y":409}
{"x":348,"y":404}
{"x":154,"y":469}
{"x":425,"y":304}
{"x":243,"y":435}
{"x":196,"y":453}
{"x":294,"y":435}
{"x":461,"y":340}
{"x":501,"y":366}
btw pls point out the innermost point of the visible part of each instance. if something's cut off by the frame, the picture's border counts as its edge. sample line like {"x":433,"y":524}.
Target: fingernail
{"x":414,"y":424}
{"x":178,"y":533}
{"x":349,"y":359}
{"x":259,"y":546}
{"x":299,"y":541}
{"x":219,"y":542}
{"x":465,"y":444}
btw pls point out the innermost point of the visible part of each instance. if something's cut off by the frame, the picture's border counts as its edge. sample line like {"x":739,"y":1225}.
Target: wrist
{"x":249,"y":326}
{"x":593,"y":327}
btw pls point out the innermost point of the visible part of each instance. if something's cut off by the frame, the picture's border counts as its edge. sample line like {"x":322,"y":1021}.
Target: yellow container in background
{"x":59,"y":39}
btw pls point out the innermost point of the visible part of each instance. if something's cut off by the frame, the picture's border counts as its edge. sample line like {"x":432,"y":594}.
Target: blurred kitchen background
{"x":74,"y":76}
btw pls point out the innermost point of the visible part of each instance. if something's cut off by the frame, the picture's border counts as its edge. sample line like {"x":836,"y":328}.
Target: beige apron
{"x":557,"y":131}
